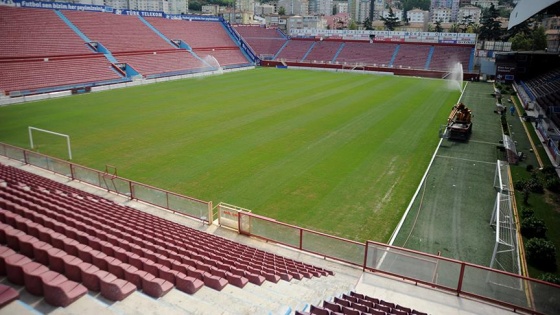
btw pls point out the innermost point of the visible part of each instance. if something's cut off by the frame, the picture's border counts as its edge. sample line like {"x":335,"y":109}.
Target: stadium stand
{"x":264,"y":42}
{"x":411,"y":55}
{"x":227,"y":57}
{"x":118,"y":33}
{"x":196,"y":34}
{"x":158,"y":63}
{"x":323,"y":51}
{"x":357,"y":304}
{"x":366,"y":53}
{"x":44,"y":73}
{"x":39,"y":33}
{"x":295,"y":50}
{"x":150,"y":47}
{"x":545,"y":91}
{"x":44,"y":53}
{"x":113,"y":249}
{"x":444,"y":57}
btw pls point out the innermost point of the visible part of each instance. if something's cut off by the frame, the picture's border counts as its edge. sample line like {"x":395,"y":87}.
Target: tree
{"x":541,"y":253}
{"x":352,"y":25}
{"x":454,"y":28}
{"x":391,"y":21}
{"x":491,"y":28}
{"x":438,"y":28}
{"x":367,"y":24}
{"x":533,"y":227}
{"x":520,"y":41}
{"x":281,"y":11}
{"x":466,"y":22}
{"x":474,"y":29}
{"x":539,"y":38}
{"x":408,"y":5}
{"x":195,"y":6}
{"x":534,"y":40}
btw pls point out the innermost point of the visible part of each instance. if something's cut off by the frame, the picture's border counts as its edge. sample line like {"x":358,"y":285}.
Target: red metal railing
{"x":461,"y":278}
{"x":185,"y":205}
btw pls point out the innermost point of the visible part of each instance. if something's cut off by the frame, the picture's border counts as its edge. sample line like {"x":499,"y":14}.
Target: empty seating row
{"x":194,"y":249}
{"x":295,"y":50}
{"x":324,"y":51}
{"x":412,"y":56}
{"x":134,"y":231}
{"x":253,"y":31}
{"x":445,"y":57}
{"x":226,"y":57}
{"x":77,"y":262}
{"x":38,"y":279}
{"x":118,"y":33}
{"x":40,"y":73}
{"x":265,"y":42}
{"x":197,"y":34}
{"x":105,"y":249}
{"x":161,"y":62}
{"x":359,"y":304}
{"x":30,"y":32}
{"x":366,"y":53}
{"x":223,"y":250}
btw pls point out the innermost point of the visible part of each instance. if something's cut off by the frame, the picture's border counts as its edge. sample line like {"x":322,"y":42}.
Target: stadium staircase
{"x":240,"y":42}
{"x":471,"y":60}
{"x":308,"y":51}
{"x":429,"y":60}
{"x":394,"y":56}
{"x":73,"y":27}
{"x":281,"y":49}
{"x":338,"y":52}
{"x":156,"y":31}
{"x":97,"y":47}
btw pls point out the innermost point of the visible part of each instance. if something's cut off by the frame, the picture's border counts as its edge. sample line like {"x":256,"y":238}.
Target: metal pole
{"x":30,"y":137}
{"x":69,"y":148}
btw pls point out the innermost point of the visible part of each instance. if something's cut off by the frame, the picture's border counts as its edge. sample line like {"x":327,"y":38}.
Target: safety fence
{"x":461,"y":278}
{"x":185,"y":205}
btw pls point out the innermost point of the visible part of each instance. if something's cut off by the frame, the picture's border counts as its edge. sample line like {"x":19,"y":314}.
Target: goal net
{"x":50,"y":142}
{"x":505,"y":256}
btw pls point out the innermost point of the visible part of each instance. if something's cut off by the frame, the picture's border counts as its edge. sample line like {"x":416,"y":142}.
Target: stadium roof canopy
{"x":526,"y":9}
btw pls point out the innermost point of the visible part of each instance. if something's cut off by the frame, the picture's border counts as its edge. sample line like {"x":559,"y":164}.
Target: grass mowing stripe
{"x":233,"y":140}
{"x":331,"y":151}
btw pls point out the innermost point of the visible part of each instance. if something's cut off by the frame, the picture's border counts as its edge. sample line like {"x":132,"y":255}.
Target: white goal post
{"x":52,"y":133}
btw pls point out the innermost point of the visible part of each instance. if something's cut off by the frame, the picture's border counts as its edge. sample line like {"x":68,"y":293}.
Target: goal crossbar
{"x":52,"y":133}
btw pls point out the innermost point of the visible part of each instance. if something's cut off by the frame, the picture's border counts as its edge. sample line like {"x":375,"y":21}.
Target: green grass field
{"x":338,"y":153}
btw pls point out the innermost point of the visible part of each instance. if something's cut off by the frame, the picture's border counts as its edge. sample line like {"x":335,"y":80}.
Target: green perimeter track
{"x":335,"y":152}
{"x":452,"y":211}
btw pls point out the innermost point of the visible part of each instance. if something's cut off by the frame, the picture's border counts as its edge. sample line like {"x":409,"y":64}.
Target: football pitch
{"x":335,"y":152}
